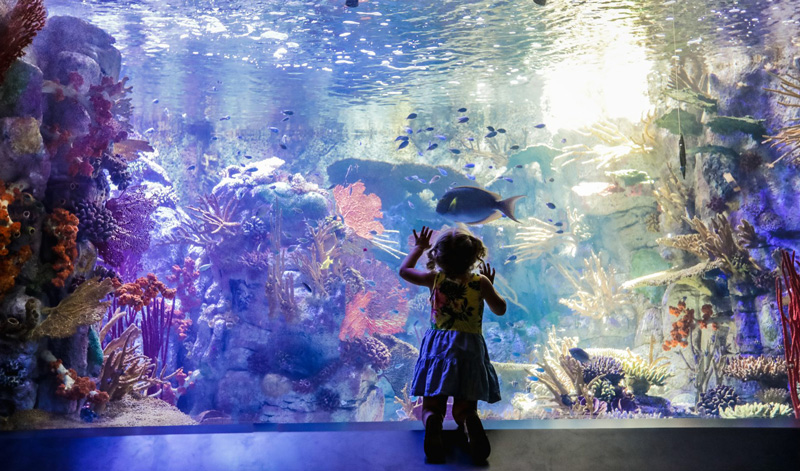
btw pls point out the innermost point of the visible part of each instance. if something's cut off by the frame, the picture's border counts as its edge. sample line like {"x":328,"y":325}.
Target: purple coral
{"x":611,"y":368}
{"x":714,"y":399}
{"x":96,"y":223}
{"x":365,"y":351}
{"x":124,"y":248}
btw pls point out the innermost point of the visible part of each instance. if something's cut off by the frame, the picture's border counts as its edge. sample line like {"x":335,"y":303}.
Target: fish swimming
{"x":501,"y":130}
{"x":432,"y":146}
{"x":455,"y":151}
{"x":411,"y":116}
{"x":462,"y":110}
{"x":463,"y":119}
{"x":402,"y":144}
{"x":491,"y":134}
{"x":579,"y":354}
{"x":551,"y":206}
{"x":472,"y":205}
{"x":442,"y":171}
{"x":682,"y":156}
{"x":491,"y":129}
{"x":539,"y":126}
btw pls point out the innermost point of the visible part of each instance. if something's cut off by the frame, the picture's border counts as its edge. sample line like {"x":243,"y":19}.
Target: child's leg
{"x":434,"y":405}
{"x":462,"y":409}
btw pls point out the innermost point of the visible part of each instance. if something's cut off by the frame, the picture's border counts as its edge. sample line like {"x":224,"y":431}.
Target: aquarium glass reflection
{"x":204,"y":206}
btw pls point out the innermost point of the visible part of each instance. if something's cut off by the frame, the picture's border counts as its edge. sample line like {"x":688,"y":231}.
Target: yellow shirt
{"x":457,"y":305}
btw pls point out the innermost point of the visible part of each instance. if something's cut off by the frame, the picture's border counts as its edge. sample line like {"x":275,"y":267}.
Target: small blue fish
{"x":462,"y":110}
{"x":501,"y":130}
{"x":371,"y":282}
{"x":559,"y":224}
{"x":519,"y":166}
{"x":491,"y":134}
{"x":429,"y":129}
{"x":435,"y":179}
{"x":551,"y":179}
{"x":509,"y":180}
{"x":463,"y":119}
{"x":408,"y":178}
{"x":432,"y":146}
{"x":401,"y":138}
{"x":455,"y":151}
{"x":214,"y":138}
{"x":551,"y":205}
{"x":288,"y":112}
{"x":191,"y":167}
{"x":470,"y":139}
{"x":511,"y":258}
{"x":248,"y":156}
{"x":283,"y":146}
{"x":225,"y":118}
{"x":422,"y":180}
{"x":275,"y":130}
{"x":442,"y":171}
{"x":155,"y":101}
{"x":403,"y":145}
{"x":539,"y":126}
{"x":471,"y":177}
{"x":579,"y":354}
{"x":564,"y":141}
{"x":469,"y":165}
{"x":285,"y":119}
{"x":440,"y":137}
{"x":497,"y":340}
{"x":307,"y":287}
{"x":409,"y":131}
{"x":514,"y":147}
{"x":491,"y":129}
{"x":533,"y":378}
{"x":412,"y":116}
{"x":560,"y":231}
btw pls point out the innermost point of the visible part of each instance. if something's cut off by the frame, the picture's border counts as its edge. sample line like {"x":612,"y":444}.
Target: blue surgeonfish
{"x":472,"y":205}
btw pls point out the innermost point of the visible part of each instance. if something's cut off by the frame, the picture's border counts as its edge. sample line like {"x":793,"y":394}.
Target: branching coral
{"x":705,"y":355}
{"x":615,"y":145}
{"x":279,"y":287}
{"x":410,"y":409}
{"x":598,"y":295}
{"x":18,"y":29}
{"x":776,"y":395}
{"x":756,"y":411}
{"x":672,"y":196}
{"x":83,"y":307}
{"x":768,"y":370}
{"x":359,"y":212}
{"x":63,"y":226}
{"x":216,"y":218}
{"x":788,"y":137}
{"x":537,"y":238}
{"x":124,"y":370}
{"x":718,"y":241}
{"x":790,"y":323}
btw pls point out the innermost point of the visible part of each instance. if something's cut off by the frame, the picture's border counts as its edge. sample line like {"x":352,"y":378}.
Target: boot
{"x":434,"y":447}
{"x":479,"y":447}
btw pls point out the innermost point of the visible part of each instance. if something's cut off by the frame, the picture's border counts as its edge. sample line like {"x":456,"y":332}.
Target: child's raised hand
{"x":487,"y":271}
{"x":423,"y":240}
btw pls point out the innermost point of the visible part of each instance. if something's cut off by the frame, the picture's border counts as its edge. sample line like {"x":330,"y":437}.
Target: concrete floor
{"x":568,"y":445}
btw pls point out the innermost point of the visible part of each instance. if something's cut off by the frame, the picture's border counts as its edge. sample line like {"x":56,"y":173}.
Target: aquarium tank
{"x":204,"y":205}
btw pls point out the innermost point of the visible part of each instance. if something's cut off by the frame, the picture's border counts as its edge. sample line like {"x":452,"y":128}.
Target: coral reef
{"x":17,"y":30}
{"x":609,"y":368}
{"x":365,"y":350}
{"x":716,"y":399}
{"x":63,"y":226}
{"x":359,"y":212}
{"x":771,"y":371}
{"x":755,"y":411}
{"x":615,"y":146}
{"x":773,"y":395}
{"x":598,"y":295}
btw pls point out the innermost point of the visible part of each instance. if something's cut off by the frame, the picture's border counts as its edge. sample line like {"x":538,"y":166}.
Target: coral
{"x":672,"y":196}
{"x":10,"y":263}
{"x":609,"y":368}
{"x":71,"y":386}
{"x":410,"y":409}
{"x":365,"y":350}
{"x":776,"y":395}
{"x":359,"y":212}
{"x":717,"y":204}
{"x":652,"y":223}
{"x":328,"y":400}
{"x":124,"y":370}
{"x":715,"y":399}
{"x":96,"y":223}
{"x":537,"y":238}
{"x":255,"y":227}
{"x":184,"y":279}
{"x":123,"y":250}
{"x":604,"y":391}
{"x":765,"y":369}
{"x":85,"y":306}
{"x":756,"y":411}
{"x":788,"y":137}
{"x":368,"y":313}
{"x":18,"y":29}
{"x":790,"y":323}
{"x":615,"y":146}
{"x":260,"y":362}
{"x":63,"y":226}
{"x":598,"y":295}
{"x":12,"y":375}
{"x":667,"y":277}
{"x":215,"y":218}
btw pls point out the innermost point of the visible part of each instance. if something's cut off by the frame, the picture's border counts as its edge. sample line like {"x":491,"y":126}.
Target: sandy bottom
{"x":128,"y":412}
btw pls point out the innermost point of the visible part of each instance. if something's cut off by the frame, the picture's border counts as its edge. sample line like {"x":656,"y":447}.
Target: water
{"x":284,"y":197}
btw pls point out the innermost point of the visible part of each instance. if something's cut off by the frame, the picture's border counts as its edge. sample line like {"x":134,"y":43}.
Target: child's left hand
{"x":423,"y":240}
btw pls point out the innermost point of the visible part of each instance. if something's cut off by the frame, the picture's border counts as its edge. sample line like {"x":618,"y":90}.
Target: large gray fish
{"x":682,"y":156}
{"x":473,"y":205}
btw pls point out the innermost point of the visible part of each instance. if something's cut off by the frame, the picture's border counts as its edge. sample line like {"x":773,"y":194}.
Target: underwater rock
{"x":769,"y":323}
{"x":239,"y":394}
{"x":67,"y":33}
{"x":745,"y":317}
{"x":715,"y":163}
{"x":22,"y":156}
{"x":690,"y":123}
{"x":649,"y":328}
{"x":67,"y":63}
{"x":21,"y":91}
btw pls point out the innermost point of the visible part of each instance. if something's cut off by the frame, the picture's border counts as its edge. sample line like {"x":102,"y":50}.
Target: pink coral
{"x":358,"y":210}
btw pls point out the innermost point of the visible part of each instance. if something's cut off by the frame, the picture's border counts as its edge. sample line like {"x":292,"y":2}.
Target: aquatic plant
{"x":788,"y":137}
{"x":17,"y":30}
{"x":83,"y":307}
{"x":63,"y":226}
{"x":615,"y":146}
{"x":764,"y":369}
{"x":790,"y":323}
{"x":716,"y":399}
{"x":756,"y":411}
{"x":705,"y":353}
{"x":359,"y":211}
{"x":598,"y":295}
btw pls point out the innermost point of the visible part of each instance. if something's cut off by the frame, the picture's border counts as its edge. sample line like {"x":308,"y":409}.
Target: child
{"x":453,"y":360}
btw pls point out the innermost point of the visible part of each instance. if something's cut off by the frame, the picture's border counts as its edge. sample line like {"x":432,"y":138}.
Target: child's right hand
{"x":423,"y":240}
{"x":487,"y":271}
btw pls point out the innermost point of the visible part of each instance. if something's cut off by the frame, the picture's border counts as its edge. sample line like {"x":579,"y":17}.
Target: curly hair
{"x":456,"y":252}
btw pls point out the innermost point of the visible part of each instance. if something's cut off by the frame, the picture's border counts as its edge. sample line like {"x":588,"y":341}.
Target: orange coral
{"x":366,"y":314}
{"x":142,"y":292}
{"x":10,"y":264}
{"x":682,"y":328}
{"x":358,"y":210}
{"x":63,"y":225}
{"x":21,"y":25}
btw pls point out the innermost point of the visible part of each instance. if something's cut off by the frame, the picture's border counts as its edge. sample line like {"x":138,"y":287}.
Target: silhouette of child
{"x":453,"y":360}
